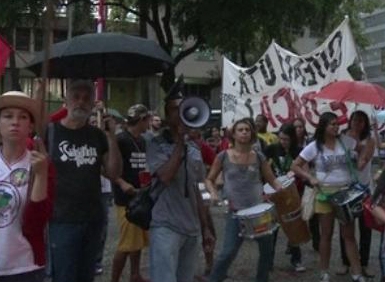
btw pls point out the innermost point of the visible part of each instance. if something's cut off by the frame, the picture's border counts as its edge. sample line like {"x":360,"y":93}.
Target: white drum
{"x":257,"y":221}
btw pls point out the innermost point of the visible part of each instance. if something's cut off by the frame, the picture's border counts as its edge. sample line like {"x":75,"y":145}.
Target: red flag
{"x":5,"y":50}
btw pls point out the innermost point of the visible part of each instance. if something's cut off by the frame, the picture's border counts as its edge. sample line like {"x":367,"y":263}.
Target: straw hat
{"x":17,"y":99}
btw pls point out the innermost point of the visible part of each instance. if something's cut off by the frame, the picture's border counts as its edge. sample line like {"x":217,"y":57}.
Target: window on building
{"x":371,"y":55}
{"x":374,"y":71}
{"x":22,"y":39}
{"x":38,"y":40}
{"x":374,"y":20}
{"x":59,"y":35}
{"x":376,"y":37}
{"x":200,"y":90}
{"x":204,"y":54}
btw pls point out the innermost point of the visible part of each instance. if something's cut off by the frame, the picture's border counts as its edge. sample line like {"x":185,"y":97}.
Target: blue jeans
{"x":382,"y":255}
{"x":74,"y":248}
{"x":106,"y":200}
{"x":173,"y":256}
{"x":231,"y":244}
{"x":32,"y":276}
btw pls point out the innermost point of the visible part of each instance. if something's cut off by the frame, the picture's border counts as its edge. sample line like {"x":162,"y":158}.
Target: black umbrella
{"x":103,"y":55}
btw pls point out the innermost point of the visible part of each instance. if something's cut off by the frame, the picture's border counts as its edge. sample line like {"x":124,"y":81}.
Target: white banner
{"x":279,"y":83}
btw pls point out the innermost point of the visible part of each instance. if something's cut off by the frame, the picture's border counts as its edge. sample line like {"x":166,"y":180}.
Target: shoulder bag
{"x":139,"y":208}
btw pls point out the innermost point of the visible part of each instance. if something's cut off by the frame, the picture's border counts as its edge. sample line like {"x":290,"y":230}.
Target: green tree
{"x":12,"y":14}
{"x":241,"y":29}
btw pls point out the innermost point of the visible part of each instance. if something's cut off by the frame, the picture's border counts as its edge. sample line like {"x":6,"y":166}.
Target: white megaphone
{"x":194,"y":112}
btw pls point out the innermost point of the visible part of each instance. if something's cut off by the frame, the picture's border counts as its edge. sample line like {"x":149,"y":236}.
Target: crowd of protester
{"x":54,"y":202}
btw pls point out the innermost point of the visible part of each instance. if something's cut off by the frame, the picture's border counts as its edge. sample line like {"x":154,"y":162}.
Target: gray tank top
{"x":242,"y":183}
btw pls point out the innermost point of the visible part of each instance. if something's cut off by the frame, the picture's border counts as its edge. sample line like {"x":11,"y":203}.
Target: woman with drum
{"x":243,"y":169}
{"x":280,"y":156}
{"x":328,"y":152}
{"x":359,"y":129}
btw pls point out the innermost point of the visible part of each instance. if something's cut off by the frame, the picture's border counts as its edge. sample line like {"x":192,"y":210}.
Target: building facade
{"x":373,"y":56}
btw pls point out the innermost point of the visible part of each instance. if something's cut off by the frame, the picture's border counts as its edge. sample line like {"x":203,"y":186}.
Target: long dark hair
{"x":319,"y":135}
{"x":289,"y":130}
{"x":361,"y":114}
{"x":301,"y":120}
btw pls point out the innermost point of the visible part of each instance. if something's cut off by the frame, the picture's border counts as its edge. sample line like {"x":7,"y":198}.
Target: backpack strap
{"x":50,"y":137}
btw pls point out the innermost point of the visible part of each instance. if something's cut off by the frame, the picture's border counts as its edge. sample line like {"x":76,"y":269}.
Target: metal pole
{"x":101,"y":24}
{"x":40,"y":93}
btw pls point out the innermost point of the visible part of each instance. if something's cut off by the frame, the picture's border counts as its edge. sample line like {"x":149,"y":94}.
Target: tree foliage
{"x":241,"y":29}
{"x":12,"y":12}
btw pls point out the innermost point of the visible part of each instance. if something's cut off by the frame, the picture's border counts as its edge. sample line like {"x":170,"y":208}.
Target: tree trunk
{"x":242,"y":54}
{"x":168,"y":79}
{"x":14,"y":72}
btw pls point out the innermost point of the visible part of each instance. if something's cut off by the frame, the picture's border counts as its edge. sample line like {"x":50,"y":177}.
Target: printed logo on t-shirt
{"x":83,"y":155}
{"x":138,"y":160}
{"x":19,"y":177}
{"x":330,"y":162}
{"x":10,"y":200}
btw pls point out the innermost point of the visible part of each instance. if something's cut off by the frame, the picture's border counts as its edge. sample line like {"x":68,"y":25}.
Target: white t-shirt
{"x":16,"y":254}
{"x":330,"y":165}
{"x":106,"y":184}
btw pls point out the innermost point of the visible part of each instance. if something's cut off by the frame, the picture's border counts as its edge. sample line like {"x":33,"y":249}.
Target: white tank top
{"x":365,"y":175}
{"x":16,"y":254}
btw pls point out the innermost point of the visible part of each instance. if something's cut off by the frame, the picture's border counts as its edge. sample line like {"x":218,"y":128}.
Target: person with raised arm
{"x":26,"y":191}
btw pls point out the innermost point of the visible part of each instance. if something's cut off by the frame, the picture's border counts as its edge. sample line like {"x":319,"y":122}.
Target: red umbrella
{"x":353,"y":91}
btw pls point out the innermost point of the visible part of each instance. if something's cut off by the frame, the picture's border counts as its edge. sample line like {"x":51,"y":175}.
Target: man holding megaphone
{"x":178,"y":212}
{"x":194,"y":112}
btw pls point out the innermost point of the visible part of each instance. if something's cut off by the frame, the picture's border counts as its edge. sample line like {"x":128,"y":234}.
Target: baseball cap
{"x":137,"y":111}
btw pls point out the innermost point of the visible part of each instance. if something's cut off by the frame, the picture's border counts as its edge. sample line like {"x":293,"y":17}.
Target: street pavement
{"x":244,"y":267}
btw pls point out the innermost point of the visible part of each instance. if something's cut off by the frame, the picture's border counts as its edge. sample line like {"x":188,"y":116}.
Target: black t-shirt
{"x":133,"y":152}
{"x":77,"y":156}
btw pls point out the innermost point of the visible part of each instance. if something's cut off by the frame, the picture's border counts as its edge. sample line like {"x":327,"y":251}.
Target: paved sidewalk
{"x":244,"y":266}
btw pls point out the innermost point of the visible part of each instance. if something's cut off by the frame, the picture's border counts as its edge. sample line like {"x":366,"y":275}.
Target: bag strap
{"x":349,"y":162}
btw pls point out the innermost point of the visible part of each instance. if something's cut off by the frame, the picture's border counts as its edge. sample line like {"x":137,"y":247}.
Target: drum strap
{"x":283,"y":165}
{"x":349,"y":162}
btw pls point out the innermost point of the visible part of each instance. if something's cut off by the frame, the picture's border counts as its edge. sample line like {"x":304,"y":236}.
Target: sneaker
{"x":298,"y":267}
{"x":325,"y":277}
{"x":342,"y":270}
{"x":359,"y":279}
{"x":138,"y":278}
{"x":98,"y":269}
{"x":367,"y":272}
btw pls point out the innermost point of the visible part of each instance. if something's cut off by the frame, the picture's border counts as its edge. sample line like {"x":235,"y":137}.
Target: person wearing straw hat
{"x":25,"y":191}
